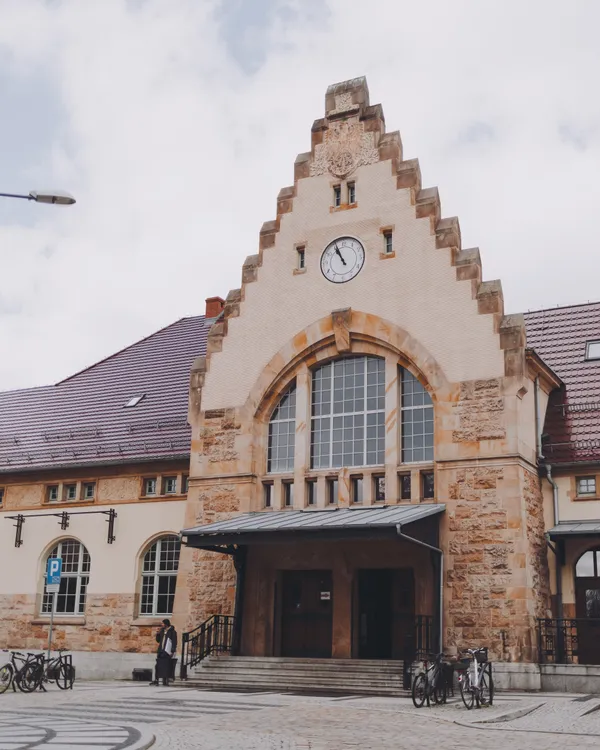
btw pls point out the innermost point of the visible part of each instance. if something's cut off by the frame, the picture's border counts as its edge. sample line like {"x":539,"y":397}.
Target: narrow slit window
{"x":1,"y":495}
{"x":405,"y":487}
{"x":301,"y":258}
{"x":357,"y":489}
{"x":337,"y":196}
{"x":288,"y":494}
{"x":332,"y":491}
{"x":427,"y":479}
{"x":351,"y":193}
{"x":268,"y":495}
{"x":379,"y":489}
{"x":388,"y":243}
{"x":311,"y":492}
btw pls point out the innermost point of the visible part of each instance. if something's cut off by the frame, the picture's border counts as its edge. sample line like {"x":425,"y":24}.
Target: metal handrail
{"x":213,"y":636}
{"x":559,"y":638}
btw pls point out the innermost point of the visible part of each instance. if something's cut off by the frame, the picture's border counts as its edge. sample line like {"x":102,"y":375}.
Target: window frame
{"x":316,"y":458}
{"x":156,"y":574}
{"x":50,"y":491}
{"x":169,"y":478}
{"x":405,"y":409}
{"x":595,"y":552}
{"x":84,"y":490}
{"x":588,"y":346}
{"x":290,"y":443}
{"x":586,"y":478}
{"x":388,"y":242}
{"x":376,"y":479}
{"x":351,"y":186}
{"x":2,"y":495}
{"x":49,"y":601}
{"x":145,"y":481}
{"x":333,"y":490}
{"x":337,"y":196}
{"x":301,"y":258}
{"x":288,"y":493}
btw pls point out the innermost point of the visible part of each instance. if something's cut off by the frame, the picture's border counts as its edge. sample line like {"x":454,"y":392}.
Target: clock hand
{"x":337,"y":250}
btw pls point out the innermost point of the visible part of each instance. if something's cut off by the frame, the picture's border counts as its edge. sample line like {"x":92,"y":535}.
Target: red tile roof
{"x":559,"y":336}
{"x":82,"y":420}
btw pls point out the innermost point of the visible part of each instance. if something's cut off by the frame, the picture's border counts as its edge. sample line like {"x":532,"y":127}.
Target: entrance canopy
{"x":315,"y":525}
{"x":574,"y":528}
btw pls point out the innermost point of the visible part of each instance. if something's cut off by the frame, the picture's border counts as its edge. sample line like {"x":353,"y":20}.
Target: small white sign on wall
{"x":325,"y":595}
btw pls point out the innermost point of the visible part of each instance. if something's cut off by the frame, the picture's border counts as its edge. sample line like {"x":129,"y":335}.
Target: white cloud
{"x":176,"y":151}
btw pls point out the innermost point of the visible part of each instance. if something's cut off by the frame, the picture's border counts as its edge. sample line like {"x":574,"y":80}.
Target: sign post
{"x":52,"y":587}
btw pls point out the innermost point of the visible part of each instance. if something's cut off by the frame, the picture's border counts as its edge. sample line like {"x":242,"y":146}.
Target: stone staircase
{"x":310,"y":676}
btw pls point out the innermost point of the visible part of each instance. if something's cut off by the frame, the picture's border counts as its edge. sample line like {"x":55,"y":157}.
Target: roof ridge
{"x":125,"y":348}
{"x":562,"y":307}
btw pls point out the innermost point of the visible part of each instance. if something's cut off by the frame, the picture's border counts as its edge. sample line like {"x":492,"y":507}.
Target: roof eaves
{"x":538,"y":367}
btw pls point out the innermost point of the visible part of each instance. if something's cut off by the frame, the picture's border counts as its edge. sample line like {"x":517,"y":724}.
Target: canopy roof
{"x":296,"y":525}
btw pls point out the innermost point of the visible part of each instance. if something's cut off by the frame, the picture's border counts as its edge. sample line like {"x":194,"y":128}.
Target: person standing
{"x":166,"y":637}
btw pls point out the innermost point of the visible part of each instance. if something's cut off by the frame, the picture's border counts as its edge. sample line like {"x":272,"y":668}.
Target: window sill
{"x":385,"y":256}
{"x":298,"y":271}
{"x":59,"y":620}
{"x":343,"y":207}
{"x":585,"y":498}
{"x":153,"y":621}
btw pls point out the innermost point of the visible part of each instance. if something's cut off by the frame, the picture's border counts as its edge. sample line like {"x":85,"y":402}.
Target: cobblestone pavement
{"x":115,"y":716}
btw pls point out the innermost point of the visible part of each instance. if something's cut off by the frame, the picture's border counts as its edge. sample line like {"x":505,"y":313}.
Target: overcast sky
{"x":176,"y":122}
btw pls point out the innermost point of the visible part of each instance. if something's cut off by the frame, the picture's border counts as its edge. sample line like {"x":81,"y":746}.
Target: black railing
{"x":213,"y":636}
{"x":421,"y":642}
{"x":569,"y":640}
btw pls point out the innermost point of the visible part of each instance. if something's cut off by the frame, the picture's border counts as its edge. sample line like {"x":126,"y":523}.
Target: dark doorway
{"x":385,"y":613}
{"x":587,"y":598}
{"x":588,"y":622}
{"x":375,"y":614}
{"x":306,"y":613}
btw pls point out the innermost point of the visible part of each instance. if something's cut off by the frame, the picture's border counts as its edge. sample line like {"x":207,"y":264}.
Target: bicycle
{"x":12,"y":673}
{"x":430,"y":684}
{"x":58,"y":669}
{"x":475,"y":682}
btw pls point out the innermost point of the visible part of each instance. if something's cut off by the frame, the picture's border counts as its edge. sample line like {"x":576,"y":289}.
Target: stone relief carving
{"x":346,"y":146}
{"x":343,"y":102}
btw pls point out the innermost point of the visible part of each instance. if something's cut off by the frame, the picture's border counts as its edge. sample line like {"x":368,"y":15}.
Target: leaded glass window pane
{"x":282,"y":434}
{"x":417,"y":420}
{"x":348,"y":413}
{"x":159,"y":576}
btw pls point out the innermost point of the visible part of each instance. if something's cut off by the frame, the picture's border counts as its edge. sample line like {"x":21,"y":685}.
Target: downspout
{"x":559,"y":549}
{"x":437,"y":550}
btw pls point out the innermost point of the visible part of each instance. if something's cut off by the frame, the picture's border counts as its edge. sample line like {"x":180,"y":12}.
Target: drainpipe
{"x":538,"y":436}
{"x":439,"y":552}
{"x":559,"y":550}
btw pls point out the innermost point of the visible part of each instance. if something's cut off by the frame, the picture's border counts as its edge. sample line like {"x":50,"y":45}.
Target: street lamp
{"x":59,"y":197}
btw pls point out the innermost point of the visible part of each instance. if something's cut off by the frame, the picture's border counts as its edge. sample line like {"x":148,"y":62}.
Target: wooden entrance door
{"x":306,"y":613}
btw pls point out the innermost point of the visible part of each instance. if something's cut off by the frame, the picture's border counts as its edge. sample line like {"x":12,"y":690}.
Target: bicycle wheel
{"x":65,"y":676}
{"x":466,"y":691}
{"x":7,"y":672}
{"x":486,"y":690}
{"x":439,"y":691}
{"x":29,"y":677}
{"x":419,"y":689}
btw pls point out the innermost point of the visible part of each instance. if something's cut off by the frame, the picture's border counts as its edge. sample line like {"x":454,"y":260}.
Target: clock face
{"x":342,"y":259}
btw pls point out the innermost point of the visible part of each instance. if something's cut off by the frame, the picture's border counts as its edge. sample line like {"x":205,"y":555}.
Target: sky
{"x":176,"y":122}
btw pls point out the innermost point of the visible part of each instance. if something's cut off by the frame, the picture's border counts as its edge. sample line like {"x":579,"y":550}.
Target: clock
{"x":342,"y":259}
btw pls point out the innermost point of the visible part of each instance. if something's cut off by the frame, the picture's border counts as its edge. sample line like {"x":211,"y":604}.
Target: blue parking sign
{"x":54,"y":571}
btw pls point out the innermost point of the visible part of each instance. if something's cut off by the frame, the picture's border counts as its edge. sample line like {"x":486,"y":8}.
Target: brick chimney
{"x":214,"y":307}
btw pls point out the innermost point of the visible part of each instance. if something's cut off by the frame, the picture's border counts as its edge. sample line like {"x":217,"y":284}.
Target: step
{"x":245,"y":687}
{"x":260,"y":674}
{"x":280,"y":660}
{"x":307,"y":681}
{"x":242,"y":668}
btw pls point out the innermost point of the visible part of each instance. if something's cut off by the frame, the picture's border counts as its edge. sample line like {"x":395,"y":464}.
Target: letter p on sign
{"x":54,"y":571}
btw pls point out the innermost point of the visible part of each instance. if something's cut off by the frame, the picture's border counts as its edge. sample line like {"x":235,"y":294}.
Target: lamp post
{"x":58,"y":197}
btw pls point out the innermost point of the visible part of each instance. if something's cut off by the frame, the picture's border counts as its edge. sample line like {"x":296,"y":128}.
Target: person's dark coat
{"x":167,"y":645}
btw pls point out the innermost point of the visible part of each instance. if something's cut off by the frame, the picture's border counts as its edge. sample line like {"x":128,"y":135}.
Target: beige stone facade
{"x":423,"y":307}
{"x":111,"y":620}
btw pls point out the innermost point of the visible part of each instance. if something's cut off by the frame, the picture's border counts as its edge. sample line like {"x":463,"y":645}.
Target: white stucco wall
{"x":113,"y":566}
{"x":416,"y":290}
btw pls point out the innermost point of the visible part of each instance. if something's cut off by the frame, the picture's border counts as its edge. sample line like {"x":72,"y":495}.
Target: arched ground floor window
{"x":159,"y":576}
{"x":76,"y":563}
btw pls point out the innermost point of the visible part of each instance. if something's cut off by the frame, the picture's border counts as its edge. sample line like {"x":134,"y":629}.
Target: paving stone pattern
{"x":124,"y":716}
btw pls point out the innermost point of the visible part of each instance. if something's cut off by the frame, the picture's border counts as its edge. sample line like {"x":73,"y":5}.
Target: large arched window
{"x":159,"y":576}
{"x":75,"y":575}
{"x":417,"y":420}
{"x":282,"y":434}
{"x":348,"y":413}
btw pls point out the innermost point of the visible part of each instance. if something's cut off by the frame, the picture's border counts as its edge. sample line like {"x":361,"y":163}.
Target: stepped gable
{"x":352,"y":134}
{"x":559,"y":336}
{"x":83,"y":420}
